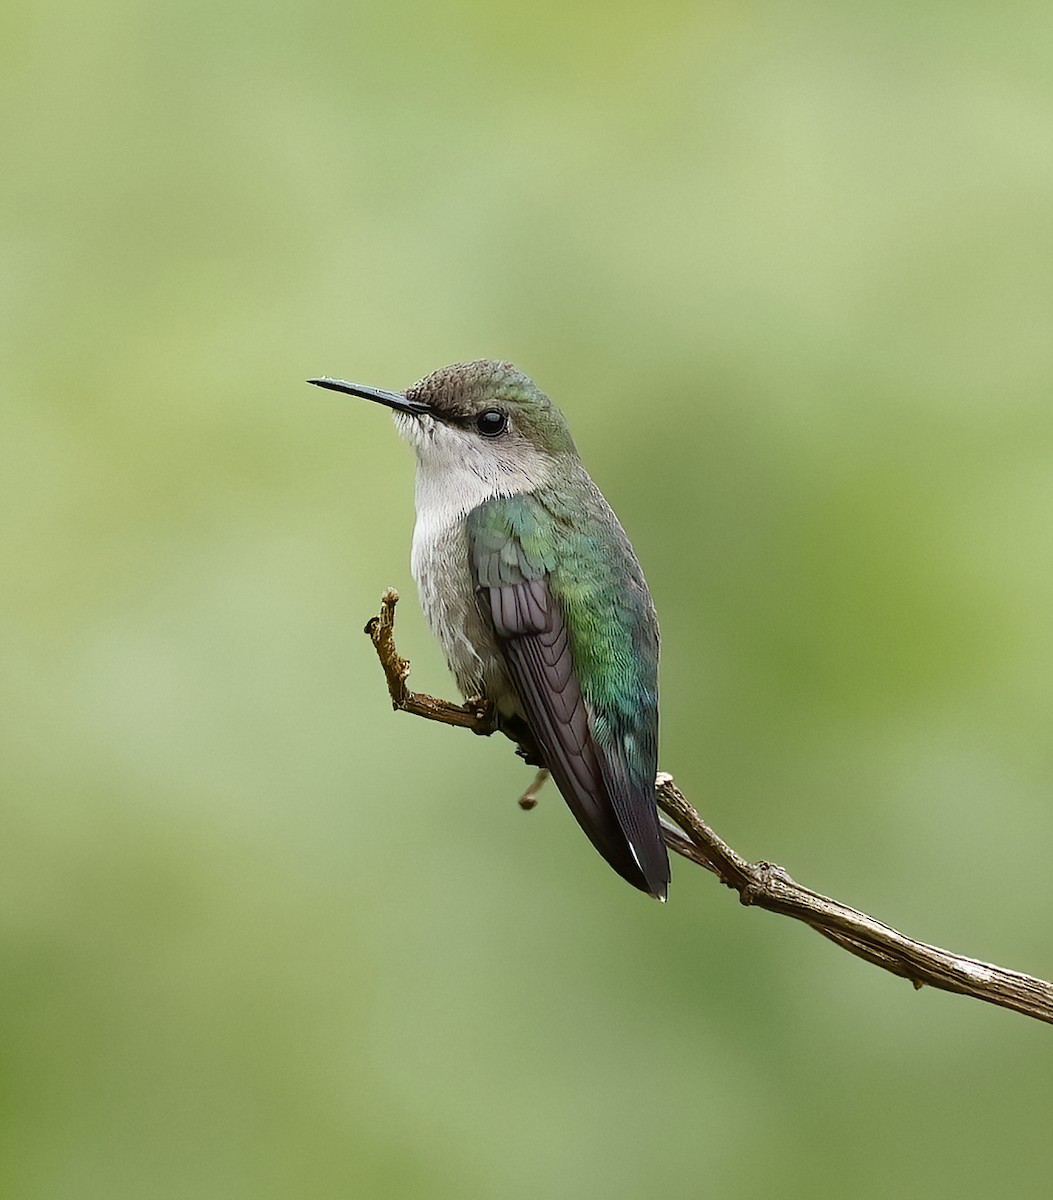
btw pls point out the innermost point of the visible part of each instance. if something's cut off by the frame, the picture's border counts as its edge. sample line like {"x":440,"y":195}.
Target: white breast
{"x":455,"y":474}
{"x":447,"y":595}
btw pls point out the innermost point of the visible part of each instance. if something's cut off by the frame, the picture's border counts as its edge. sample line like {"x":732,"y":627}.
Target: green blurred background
{"x":787,"y":269}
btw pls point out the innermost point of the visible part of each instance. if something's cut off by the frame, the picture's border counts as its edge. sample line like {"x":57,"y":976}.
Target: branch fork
{"x":758,"y":884}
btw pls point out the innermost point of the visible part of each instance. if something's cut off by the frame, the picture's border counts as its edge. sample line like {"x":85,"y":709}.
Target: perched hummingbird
{"x":529,"y":583}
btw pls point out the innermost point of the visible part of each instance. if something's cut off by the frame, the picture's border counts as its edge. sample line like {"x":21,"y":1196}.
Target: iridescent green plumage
{"x":567,"y":538}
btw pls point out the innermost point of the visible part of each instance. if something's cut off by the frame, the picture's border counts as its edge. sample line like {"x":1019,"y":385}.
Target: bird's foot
{"x":485,"y":715}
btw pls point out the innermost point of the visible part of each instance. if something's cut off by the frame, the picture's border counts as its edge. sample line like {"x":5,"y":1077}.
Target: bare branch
{"x":475,"y":715}
{"x":759,"y":884}
{"x":765,"y":885}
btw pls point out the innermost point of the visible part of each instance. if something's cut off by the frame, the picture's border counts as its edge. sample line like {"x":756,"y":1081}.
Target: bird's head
{"x":485,"y":417}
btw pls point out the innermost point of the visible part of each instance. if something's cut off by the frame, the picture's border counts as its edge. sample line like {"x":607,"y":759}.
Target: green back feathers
{"x":572,"y":537}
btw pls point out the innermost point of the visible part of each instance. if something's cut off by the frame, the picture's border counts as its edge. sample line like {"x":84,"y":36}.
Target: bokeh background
{"x":787,"y":269}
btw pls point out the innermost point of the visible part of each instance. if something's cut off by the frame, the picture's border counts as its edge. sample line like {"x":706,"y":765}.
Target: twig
{"x":475,"y":715}
{"x":759,"y":884}
{"x":528,"y":800}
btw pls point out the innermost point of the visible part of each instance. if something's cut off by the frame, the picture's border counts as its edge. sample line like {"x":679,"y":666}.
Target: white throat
{"x":456,"y":472}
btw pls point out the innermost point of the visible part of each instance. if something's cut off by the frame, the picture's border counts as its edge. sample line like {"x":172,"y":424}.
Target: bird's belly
{"x":441,"y":568}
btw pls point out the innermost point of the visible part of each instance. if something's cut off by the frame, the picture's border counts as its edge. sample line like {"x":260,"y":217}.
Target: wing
{"x":585,"y":744}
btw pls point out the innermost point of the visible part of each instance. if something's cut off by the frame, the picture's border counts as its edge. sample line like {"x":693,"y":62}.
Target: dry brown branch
{"x":381,"y":630}
{"x":760,"y":884}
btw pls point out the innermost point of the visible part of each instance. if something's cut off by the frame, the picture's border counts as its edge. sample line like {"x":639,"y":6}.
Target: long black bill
{"x":395,"y":400}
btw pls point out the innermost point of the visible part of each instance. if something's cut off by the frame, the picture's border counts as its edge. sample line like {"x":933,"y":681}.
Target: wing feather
{"x":542,"y":670}
{"x":596,"y":783}
{"x":601,"y":747}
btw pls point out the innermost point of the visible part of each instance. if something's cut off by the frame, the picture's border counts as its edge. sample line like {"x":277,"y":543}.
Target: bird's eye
{"x":491,"y":422}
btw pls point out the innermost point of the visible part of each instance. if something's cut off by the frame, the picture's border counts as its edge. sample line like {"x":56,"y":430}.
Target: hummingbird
{"x":530,"y":584}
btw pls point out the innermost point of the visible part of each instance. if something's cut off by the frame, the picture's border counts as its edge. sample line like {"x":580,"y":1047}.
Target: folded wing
{"x":613,"y":805}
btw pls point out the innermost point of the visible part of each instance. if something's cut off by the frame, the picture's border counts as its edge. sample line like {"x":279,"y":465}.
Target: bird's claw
{"x":485,"y":715}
